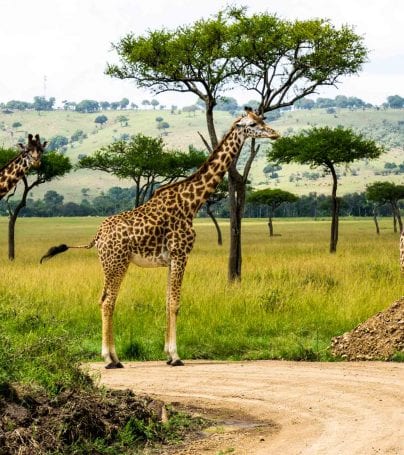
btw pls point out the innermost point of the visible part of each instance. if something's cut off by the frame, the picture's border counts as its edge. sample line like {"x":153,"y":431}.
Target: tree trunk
{"x":211,"y":125}
{"x":11,"y":236}
{"x":396,"y":209}
{"x":334,"y":212}
{"x":270,"y":226}
{"x":237,"y":201}
{"x":394,"y":220}
{"x":13,"y":215}
{"x":219,"y":232}
{"x":375,"y":220}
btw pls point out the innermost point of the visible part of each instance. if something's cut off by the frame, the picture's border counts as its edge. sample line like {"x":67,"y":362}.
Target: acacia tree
{"x":144,"y":160}
{"x":53,"y":165}
{"x":327,"y":148}
{"x":387,"y":193}
{"x":273,"y":199}
{"x":281,"y":61}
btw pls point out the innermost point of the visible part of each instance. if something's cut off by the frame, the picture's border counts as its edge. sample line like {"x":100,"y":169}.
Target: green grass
{"x":183,"y":132}
{"x":293,"y":298}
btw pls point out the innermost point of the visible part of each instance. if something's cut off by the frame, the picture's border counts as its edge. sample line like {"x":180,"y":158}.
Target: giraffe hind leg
{"x":113,"y":280}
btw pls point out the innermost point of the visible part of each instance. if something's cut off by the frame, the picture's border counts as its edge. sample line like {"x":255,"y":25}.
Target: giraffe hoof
{"x":113,"y":365}
{"x":177,"y":363}
{"x":169,"y":361}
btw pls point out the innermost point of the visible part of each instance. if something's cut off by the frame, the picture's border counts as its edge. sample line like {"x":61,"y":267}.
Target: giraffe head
{"x":253,"y":125}
{"x":33,"y":150}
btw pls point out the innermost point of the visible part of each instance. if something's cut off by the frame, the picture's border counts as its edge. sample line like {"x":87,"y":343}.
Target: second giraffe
{"x":160,"y":233}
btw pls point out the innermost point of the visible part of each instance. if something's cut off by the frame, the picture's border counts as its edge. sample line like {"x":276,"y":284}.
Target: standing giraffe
{"x":402,"y":251}
{"x":15,"y":169}
{"x":159,"y":233}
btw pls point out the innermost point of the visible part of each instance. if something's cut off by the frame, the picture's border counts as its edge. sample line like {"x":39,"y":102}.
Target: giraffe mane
{"x":202,"y":168}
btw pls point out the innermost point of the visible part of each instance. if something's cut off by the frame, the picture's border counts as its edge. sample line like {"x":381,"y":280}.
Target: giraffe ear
{"x":37,"y":138}
{"x":30,"y":136}
{"x":44,"y":144}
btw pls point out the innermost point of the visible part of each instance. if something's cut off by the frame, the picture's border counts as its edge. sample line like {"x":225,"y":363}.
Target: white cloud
{"x":69,"y":42}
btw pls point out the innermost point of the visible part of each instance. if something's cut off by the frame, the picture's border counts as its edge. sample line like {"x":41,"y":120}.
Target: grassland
{"x":294,"y":296}
{"x":183,"y":132}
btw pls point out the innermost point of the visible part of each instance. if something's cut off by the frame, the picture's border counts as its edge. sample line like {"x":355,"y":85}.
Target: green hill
{"x":385,"y":126}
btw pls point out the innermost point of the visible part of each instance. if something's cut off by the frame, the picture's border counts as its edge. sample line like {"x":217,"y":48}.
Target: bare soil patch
{"x":378,"y":338}
{"x":35,"y":423}
{"x":279,"y":407}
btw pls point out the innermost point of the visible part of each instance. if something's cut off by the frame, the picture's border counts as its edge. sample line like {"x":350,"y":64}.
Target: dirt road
{"x":280,"y":408}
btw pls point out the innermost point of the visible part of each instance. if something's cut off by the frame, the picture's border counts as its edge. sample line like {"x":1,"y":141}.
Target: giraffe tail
{"x":54,"y":250}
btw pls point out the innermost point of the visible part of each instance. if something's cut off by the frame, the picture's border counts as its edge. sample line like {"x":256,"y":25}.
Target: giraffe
{"x":14,"y":171}
{"x":160,"y":233}
{"x":402,"y":251}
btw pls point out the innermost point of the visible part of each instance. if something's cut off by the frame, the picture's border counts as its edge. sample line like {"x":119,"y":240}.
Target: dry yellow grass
{"x":294,"y":295}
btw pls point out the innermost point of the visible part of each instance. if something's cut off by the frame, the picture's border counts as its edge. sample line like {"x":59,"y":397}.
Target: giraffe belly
{"x":162,"y":260}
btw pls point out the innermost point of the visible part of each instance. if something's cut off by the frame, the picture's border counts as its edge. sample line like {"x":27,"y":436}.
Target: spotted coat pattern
{"x":17,"y":168}
{"x":160,"y":233}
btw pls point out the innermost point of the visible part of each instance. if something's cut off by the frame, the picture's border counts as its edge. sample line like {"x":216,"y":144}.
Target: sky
{"x":60,"y":48}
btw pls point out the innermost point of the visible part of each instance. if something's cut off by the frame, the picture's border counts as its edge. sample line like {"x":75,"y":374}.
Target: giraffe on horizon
{"x":17,"y":168}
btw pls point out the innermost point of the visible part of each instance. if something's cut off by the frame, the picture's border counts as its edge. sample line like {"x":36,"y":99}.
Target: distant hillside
{"x":385,"y":126}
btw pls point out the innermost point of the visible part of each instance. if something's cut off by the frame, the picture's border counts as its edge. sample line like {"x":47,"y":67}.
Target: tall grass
{"x":293,"y":298}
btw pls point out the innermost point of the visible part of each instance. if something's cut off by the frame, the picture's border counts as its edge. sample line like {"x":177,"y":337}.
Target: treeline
{"x":224,"y":103}
{"x":117,"y":199}
{"x":347,"y":102}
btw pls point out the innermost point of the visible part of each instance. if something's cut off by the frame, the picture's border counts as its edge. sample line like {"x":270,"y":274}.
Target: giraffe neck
{"x":13,"y":172}
{"x":197,"y":188}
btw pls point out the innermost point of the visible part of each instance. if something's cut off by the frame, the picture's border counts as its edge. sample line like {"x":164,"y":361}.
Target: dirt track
{"x":281,"y":408}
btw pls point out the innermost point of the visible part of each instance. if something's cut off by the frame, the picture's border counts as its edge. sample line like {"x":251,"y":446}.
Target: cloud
{"x":69,"y":42}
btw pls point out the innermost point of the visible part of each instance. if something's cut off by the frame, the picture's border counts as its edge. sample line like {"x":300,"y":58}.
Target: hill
{"x":385,"y":126}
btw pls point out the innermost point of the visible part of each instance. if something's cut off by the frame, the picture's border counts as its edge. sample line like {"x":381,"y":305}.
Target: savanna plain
{"x":293,"y":298}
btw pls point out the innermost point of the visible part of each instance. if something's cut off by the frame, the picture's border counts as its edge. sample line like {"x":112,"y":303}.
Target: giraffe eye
{"x":253,"y":124}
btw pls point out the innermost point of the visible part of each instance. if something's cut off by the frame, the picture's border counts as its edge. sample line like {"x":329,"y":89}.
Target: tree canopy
{"x":387,"y":193}
{"x":145,"y":160}
{"x":280,"y":61}
{"x":273,"y":199}
{"x":327,"y":148}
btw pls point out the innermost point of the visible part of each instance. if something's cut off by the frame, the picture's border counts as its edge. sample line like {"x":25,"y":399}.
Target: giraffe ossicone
{"x":159,"y":233}
{"x":17,"y":168}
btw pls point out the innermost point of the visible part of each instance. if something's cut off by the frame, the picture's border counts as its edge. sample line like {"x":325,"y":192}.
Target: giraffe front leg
{"x":175,"y":275}
{"x":108,"y":351}
{"x":113,"y":279}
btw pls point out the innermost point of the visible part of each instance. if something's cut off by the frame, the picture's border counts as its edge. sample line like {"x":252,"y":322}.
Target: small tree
{"x":327,"y":148}
{"x":154,"y":103}
{"x":387,"y":193}
{"x":57,"y":142}
{"x":87,"y":106}
{"x":273,"y":199}
{"x":101,"y":119}
{"x":163,"y":126}
{"x":124,"y":103}
{"x":123,"y":120}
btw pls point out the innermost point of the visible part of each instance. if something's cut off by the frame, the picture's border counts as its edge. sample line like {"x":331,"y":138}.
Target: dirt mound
{"x":378,"y":338}
{"x":40,"y":424}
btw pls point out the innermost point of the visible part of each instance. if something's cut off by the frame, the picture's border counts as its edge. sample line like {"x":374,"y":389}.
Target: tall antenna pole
{"x":44,"y":86}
